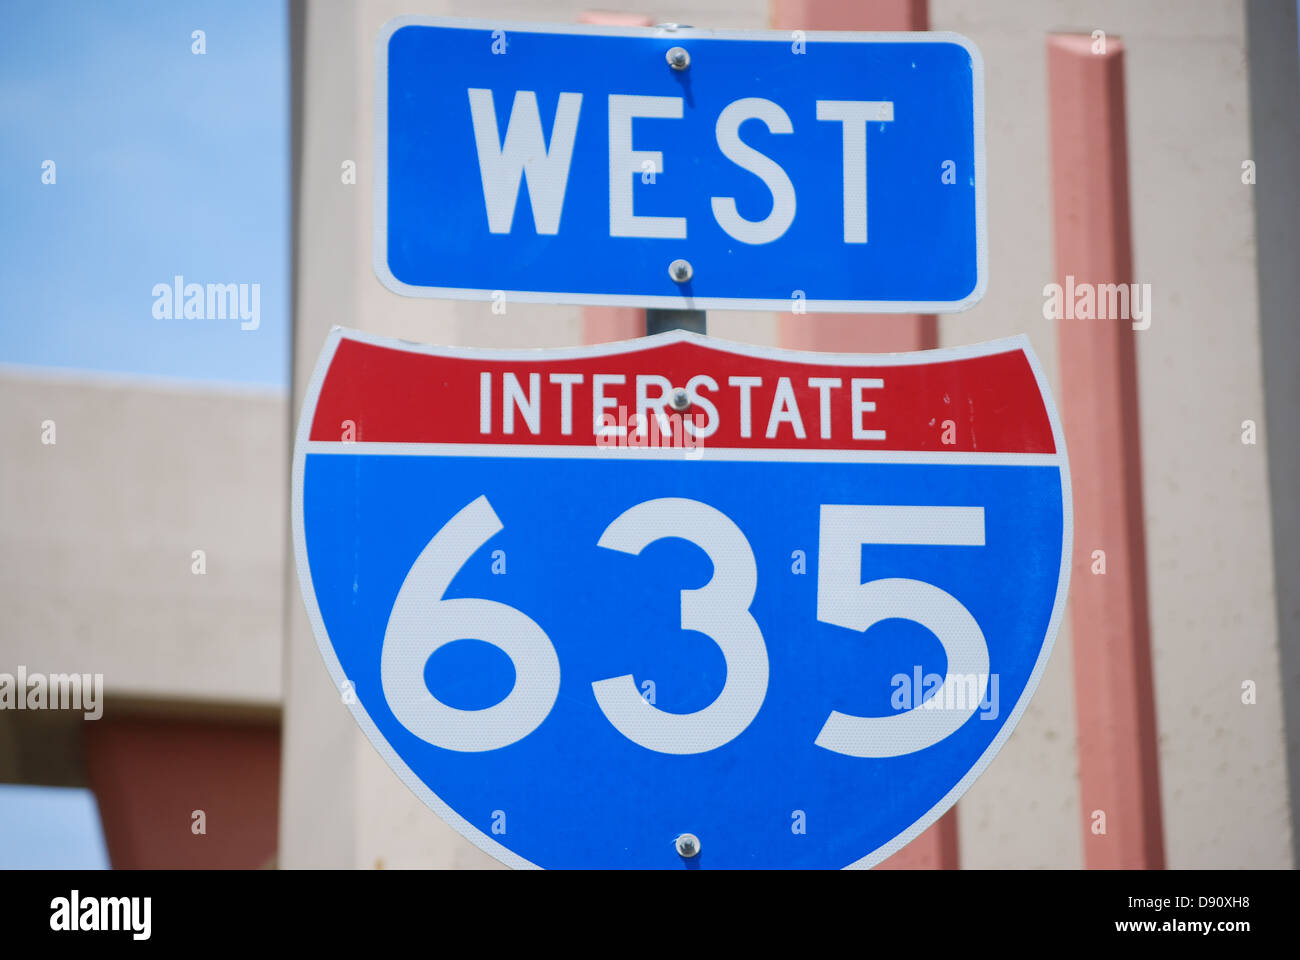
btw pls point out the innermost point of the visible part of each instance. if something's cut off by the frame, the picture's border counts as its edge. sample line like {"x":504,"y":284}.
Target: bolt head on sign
{"x":792,"y":622}
{"x":679,"y":168}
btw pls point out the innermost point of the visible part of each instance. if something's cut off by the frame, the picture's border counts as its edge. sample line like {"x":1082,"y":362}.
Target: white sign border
{"x":380,"y":243}
{"x":303,"y":443}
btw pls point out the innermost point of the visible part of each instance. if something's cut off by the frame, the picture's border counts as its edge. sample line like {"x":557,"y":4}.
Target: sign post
{"x":661,"y":321}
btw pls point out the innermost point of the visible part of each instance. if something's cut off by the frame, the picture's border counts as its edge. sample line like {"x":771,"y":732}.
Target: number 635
{"x":422,"y":621}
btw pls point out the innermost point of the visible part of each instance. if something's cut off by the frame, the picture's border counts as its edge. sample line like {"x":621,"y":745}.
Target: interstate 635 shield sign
{"x":592,"y":601}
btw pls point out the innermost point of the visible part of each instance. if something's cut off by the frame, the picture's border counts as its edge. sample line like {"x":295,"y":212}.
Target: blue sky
{"x":50,"y":828}
{"x":166,"y":163}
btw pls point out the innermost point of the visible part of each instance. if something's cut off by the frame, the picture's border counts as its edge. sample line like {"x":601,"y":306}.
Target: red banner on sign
{"x":762,"y":398}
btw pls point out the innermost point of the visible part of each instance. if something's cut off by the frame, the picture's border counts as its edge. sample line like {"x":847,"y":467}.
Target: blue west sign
{"x":680,"y":168}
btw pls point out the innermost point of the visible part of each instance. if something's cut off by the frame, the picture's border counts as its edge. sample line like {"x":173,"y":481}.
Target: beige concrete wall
{"x":98,"y":529}
{"x":1225,"y":798}
{"x":1209,"y":534}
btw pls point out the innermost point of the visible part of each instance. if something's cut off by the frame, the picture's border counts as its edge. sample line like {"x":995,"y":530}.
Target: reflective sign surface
{"x":587,"y":600}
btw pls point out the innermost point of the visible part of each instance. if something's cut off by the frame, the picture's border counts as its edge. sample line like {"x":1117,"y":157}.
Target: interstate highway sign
{"x":795,"y":619}
{"x":574,"y":164}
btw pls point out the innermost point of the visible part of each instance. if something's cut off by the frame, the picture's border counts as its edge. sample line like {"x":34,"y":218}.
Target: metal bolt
{"x":681,"y":271}
{"x":678,"y":58}
{"x":688,"y":845}
{"x":681,"y":399}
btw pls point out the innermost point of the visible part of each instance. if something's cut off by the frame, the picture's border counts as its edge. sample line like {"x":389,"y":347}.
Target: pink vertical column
{"x":857,"y":333}
{"x":1118,"y":773}
{"x":872,"y":333}
{"x":603,"y":324}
